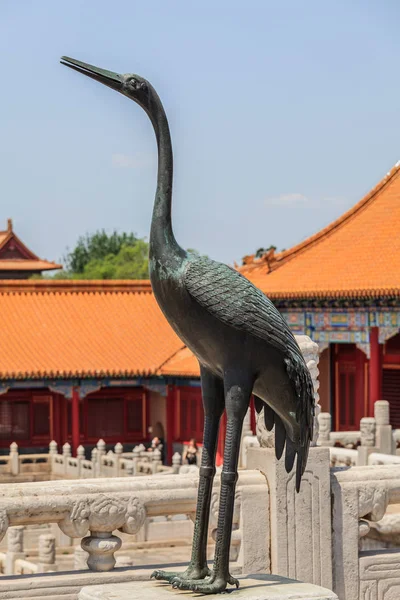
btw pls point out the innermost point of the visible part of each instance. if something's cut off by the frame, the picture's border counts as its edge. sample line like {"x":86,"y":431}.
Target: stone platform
{"x":252,"y":587}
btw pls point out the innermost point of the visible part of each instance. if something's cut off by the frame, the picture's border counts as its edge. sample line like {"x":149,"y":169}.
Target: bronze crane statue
{"x":241,"y":341}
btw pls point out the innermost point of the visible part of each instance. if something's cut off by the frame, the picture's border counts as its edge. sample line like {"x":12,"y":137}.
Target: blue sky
{"x":283,"y":114}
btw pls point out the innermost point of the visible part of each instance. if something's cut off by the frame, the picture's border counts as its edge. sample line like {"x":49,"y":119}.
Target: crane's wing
{"x":234,"y":300}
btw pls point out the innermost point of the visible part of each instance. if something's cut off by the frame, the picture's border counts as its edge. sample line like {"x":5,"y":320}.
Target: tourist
{"x":190,"y":453}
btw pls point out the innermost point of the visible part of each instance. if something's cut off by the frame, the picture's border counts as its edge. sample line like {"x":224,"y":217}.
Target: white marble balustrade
{"x":100,"y":507}
{"x":361,"y":495}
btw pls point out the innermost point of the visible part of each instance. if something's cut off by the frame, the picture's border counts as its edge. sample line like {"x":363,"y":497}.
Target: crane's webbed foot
{"x":211,"y":585}
{"x":191,"y":573}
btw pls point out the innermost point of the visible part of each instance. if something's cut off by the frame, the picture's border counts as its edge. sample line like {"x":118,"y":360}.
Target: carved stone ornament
{"x":136,"y":516}
{"x":4,"y":523}
{"x":373,"y":502}
{"x":266,"y":438}
{"x":104,"y":514}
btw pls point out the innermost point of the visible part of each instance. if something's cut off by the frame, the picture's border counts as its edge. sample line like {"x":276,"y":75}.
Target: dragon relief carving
{"x":104,"y":514}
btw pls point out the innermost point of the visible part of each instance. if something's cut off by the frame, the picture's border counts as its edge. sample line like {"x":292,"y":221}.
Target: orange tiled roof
{"x":357,"y":255}
{"x":27,"y":265}
{"x":63,"y":329}
{"x":181,"y":363}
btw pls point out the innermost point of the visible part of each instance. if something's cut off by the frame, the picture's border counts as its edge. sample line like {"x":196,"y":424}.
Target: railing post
{"x":93,"y":457}
{"x":135,"y":459}
{"x":155,"y":460}
{"x":118,"y":449}
{"x":53,"y":450}
{"x":15,"y":548}
{"x":14,"y":459}
{"x":80,"y":455}
{"x":300,"y":523}
{"x":66,"y":455}
{"x":325,"y":428}
{"x":101,"y":450}
{"x":47,"y":553}
{"x":176,"y":463}
{"x":367,"y":431}
{"x":384,"y":434}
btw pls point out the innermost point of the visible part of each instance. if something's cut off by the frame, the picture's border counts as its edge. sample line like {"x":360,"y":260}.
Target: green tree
{"x":131,"y":262}
{"x":103,"y":256}
{"x":96,"y":246}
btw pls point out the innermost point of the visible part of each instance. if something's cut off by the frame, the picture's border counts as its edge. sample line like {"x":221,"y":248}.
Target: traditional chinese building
{"x":341,"y":287}
{"x":83,"y":360}
{"x":16,"y":260}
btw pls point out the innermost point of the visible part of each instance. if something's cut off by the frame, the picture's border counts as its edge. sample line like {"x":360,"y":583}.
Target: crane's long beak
{"x":112,"y":80}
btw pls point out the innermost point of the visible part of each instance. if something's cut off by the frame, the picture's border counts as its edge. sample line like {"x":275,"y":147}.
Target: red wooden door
{"x":349,"y":384}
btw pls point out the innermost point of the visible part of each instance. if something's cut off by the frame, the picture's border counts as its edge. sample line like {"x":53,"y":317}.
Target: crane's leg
{"x":237,"y":398}
{"x":213,"y":403}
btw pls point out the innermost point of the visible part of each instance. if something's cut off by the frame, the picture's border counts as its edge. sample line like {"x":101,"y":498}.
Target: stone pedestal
{"x":252,"y":587}
{"x":301,"y":542}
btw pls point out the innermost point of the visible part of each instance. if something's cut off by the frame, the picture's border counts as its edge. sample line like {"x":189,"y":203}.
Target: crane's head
{"x":133,"y":86}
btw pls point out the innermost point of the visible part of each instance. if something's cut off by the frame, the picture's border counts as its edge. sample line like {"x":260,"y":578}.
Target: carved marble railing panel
{"x":346,"y":438}
{"x":375,"y":458}
{"x":379,"y":575}
{"x":343,"y":457}
{"x":34,"y":463}
{"x":360,"y":495}
{"x":87,"y":469}
{"x":101,"y":506}
{"x":111,"y":464}
{"x":5,"y":467}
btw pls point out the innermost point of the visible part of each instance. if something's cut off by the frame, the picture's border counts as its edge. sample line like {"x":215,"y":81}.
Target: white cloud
{"x":136,"y":161}
{"x":286,"y":199}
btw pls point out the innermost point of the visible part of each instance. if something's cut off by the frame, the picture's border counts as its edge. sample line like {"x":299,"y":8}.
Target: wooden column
{"x":170,"y":433}
{"x":76,"y":436}
{"x":374,"y":369}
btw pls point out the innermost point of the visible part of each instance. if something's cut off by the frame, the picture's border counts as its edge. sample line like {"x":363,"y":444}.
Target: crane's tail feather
{"x":290,"y":454}
{"x":280,"y":436}
{"x":304,"y":416}
{"x":269,"y":417}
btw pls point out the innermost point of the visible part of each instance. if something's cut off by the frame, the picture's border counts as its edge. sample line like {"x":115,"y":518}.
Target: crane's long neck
{"x":162,"y":239}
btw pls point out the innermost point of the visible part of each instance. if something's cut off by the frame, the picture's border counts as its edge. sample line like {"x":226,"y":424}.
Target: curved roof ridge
{"x":283,"y":257}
